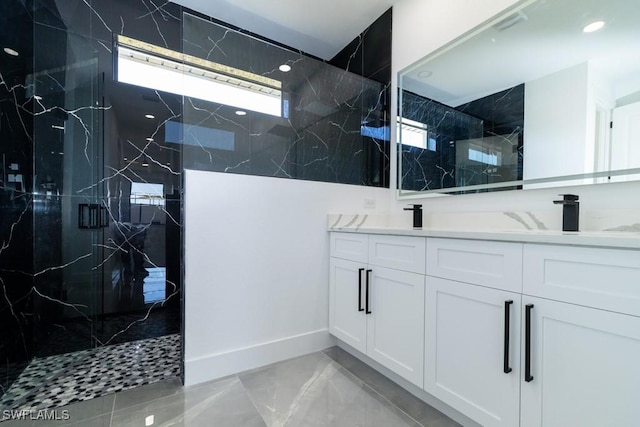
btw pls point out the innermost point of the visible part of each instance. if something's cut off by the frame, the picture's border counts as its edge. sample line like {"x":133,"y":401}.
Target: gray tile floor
{"x":330,"y":388}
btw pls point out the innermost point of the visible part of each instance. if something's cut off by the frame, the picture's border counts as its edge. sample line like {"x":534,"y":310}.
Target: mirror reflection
{"x":543,"y":95}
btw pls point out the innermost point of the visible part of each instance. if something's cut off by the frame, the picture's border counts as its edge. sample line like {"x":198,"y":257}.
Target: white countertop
{"x":610,"y":239}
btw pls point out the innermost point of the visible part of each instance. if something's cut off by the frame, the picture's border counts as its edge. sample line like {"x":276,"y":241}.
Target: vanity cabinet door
{"x":585,"y":368}
{"x":395,"y":323}
{"x":466,"y":354}
{"x":346,"y":285}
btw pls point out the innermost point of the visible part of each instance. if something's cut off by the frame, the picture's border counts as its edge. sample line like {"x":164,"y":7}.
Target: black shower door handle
{"x":92,"y":216}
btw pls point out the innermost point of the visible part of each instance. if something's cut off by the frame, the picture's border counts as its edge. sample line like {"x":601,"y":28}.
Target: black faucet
{"x":570,"y":211}
{"x":417,"y":215}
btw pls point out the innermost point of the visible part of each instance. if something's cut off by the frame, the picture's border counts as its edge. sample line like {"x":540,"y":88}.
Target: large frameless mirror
{"x":546,"y":94}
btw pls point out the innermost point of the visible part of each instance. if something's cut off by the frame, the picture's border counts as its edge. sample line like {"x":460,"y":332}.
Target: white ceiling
{"x":320,"y":28}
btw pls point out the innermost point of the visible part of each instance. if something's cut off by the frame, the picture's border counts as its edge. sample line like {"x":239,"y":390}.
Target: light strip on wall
{"x":156,"y":72}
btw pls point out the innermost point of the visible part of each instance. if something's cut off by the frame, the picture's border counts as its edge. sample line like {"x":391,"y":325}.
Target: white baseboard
{"x":211,"y":367}
{"x":410,"y":387}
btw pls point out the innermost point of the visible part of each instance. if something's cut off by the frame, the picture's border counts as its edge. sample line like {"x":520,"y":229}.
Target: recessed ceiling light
{"x":11,"y":52}
{"x":285,"y":68}
{"x":150,"y":116}
{"x":425,"y":74}
{"x":241,"y":113}
{"x":594,"y":26}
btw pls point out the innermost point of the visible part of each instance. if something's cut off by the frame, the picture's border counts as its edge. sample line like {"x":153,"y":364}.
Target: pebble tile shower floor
{"x":58,"y":380}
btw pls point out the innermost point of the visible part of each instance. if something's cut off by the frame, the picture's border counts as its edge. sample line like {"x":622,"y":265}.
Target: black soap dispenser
{"x":570,"y":211}
{"x":417,"y":215}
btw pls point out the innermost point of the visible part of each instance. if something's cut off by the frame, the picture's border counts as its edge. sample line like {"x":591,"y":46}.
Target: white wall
{"x":555,"y":121}
{"x":257,"y":268}
{"x":420,"y":27}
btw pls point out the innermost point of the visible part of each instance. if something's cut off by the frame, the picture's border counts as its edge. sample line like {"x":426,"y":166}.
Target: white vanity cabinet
{"x":346,"y":319}
{"x":472,"y":329}
{"x":584,"y":347}
{"x":585,"y":367}
{"x":574,"y":342}
{"x":514,"y":334}
{"x":376,"y":299}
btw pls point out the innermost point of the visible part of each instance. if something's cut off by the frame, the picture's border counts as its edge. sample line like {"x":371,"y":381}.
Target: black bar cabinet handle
{"x":527,"y":344}
{"x":360,"y":270}
{"x":507,"y":306}
{"x":366,"y":294}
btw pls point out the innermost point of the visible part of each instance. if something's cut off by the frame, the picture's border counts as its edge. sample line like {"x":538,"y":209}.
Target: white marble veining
{"x":617,"y":229}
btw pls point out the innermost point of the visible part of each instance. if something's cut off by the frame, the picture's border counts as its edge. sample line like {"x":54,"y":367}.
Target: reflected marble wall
{"x":434,"y":167}
{"x":479,"y":142}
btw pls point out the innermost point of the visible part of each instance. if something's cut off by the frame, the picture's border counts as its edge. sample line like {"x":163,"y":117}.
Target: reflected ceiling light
{"x":594,"y":26}
{"x":150,"y":116}
{"x":425,"y":74}
{"x":150,"y":139}
{"x":125,"y":159}
{"x":37,"y":97}
{"x":57,"y":127}
{"x":145,"y":164}
{"x":149,"y":421}
{"x":241,"y":113}
{"x":285,"y":68}
{"x":11,"y":52}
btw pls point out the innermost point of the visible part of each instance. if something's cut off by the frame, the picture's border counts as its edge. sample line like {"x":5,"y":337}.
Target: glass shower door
{"x":68,"y":214}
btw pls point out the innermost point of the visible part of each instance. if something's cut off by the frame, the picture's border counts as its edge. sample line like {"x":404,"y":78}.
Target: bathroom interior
{"x":179,"y":181}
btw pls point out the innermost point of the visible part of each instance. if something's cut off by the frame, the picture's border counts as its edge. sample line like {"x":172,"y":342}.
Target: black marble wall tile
{"x":158,"y":23}
{"x":16,"y":201}
{"x":318,"y":135}
{"x":369,"y":54}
